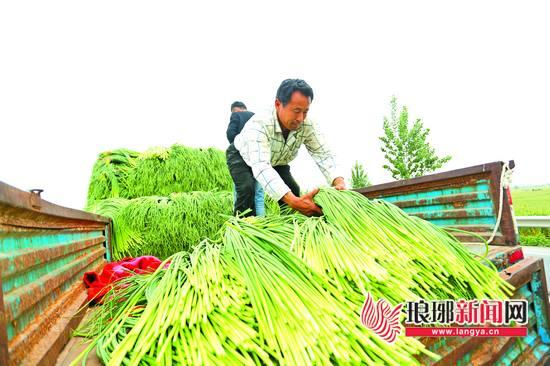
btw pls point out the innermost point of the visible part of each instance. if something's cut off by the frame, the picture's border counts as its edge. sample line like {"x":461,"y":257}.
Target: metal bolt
{"x":36,"y":191}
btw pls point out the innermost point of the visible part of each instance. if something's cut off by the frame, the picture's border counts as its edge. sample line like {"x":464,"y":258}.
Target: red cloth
{"x":99,"y":284}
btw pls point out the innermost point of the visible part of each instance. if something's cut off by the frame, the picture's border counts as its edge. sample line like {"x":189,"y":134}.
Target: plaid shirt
{"x":262,"y":146}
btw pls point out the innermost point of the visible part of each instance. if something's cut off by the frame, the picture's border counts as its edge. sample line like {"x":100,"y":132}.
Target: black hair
{"x":238,"y":105}
{"x":289,"y":86}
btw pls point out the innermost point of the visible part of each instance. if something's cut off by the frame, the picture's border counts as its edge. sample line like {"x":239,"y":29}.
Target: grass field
{"x":532,"y":201}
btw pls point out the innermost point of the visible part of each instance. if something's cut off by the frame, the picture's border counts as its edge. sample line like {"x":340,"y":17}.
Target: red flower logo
{"x":381,"y":318}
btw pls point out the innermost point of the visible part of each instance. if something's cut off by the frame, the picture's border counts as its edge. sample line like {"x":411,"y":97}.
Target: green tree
{"x":359,"y":177}
{"x":406,"y":149}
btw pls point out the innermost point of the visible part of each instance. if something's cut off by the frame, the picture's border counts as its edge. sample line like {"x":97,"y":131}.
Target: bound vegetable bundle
{"x":162,"y":226}
{"x":158,"y":172}
{"x":109,"y":174}
{"x":288,"y":290}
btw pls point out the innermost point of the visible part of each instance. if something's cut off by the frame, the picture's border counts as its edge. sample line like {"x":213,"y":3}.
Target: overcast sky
{"x":77,"y":78}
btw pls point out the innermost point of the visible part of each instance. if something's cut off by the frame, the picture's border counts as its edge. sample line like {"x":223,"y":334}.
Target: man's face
{"x":292,"y":115}
{"x":237,"y":109}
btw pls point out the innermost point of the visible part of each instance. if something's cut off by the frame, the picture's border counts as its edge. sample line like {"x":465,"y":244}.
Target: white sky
{"x":77,"y":78}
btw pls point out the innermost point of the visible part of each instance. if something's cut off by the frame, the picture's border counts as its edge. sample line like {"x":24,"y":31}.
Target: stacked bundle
{"x":162,"y":226}
{"x":163,"y":200}
{"x":109,"y":174}
{"x":158,"y":172}
{"x":178,"y":169}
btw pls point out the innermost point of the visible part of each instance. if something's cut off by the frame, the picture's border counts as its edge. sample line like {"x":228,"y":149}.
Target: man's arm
{"x":253,"y":145}
{"x":318,"y":149}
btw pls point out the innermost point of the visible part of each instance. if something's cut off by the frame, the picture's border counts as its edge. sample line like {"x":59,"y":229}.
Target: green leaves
{"x":359,"y":178}
{"x":406,"y":148}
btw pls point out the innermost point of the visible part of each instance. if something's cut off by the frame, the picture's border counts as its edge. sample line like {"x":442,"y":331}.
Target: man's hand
{"x":303,"y":204}
{"x":339,"y":183}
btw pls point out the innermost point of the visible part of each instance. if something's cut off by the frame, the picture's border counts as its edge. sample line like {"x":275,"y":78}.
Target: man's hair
{"x":238,"y":104}
{"x":289,"y":86}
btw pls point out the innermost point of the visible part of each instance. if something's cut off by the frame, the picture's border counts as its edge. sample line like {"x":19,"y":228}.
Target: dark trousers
{"x":245,"y":183}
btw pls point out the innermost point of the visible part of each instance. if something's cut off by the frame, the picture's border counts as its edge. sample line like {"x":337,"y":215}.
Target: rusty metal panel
{"x":4,"y":354}
{"x":466,"y":199}
{"x":44,"y":251}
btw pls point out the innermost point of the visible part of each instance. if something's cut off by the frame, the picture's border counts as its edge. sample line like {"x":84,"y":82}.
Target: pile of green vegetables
{"x":158,"y":172}
{"x":162,"y":200}
{"x":288,"y":290}
{"x":162,"y":226}
{"x":109,"y":174}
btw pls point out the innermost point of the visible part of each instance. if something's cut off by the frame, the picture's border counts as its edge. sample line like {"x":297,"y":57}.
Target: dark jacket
{"x":236,"y":124}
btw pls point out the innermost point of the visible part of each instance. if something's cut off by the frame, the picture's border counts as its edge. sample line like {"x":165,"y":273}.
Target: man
{"x":239,"y":117}
{"x":267,"y":144}
{"x":238,"y":106}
